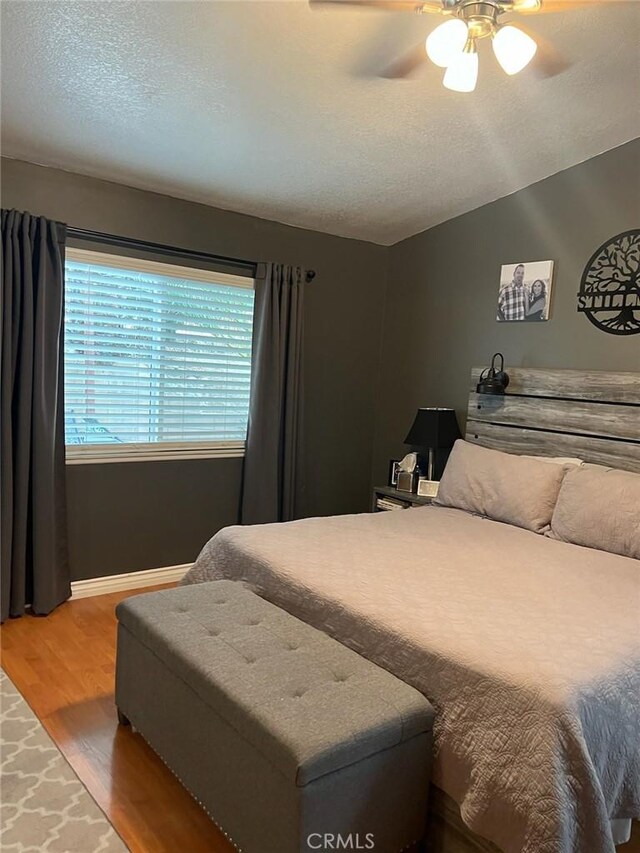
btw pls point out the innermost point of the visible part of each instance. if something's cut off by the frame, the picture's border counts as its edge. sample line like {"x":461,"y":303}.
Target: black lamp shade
{"x":436,"y":429}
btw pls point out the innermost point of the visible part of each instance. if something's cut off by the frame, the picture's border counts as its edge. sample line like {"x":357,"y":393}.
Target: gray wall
{"x":439,"y":320}
{"x":442,"y":292}
{"x":124,"y":517}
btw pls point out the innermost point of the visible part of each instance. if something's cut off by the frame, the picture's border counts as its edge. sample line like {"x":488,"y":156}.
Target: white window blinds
{"x":157,"y":358}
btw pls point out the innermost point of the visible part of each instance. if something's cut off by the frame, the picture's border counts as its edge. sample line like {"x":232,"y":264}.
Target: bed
{"x":528,"y":647}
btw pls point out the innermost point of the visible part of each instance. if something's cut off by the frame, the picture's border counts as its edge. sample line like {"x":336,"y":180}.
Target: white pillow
{"x":558,"y":460}
{"x":599,"y":508}
{"x":518,"y":490}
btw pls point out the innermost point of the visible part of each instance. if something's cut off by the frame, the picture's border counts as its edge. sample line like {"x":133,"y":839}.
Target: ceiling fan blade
{"x":384,"y":5}
{"x":540,"y":7}
{"x":390,"y":51}
{"x":406,"y":65}
{"x":548,"y":61}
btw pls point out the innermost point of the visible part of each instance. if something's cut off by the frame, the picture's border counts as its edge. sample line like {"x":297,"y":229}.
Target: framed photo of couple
{"x":525,"y":292}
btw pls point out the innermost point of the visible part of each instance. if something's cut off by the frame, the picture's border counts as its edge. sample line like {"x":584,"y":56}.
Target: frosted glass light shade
{"x":462,"y":74}
{"x":513,"y":49}
{"x":527,"y":6}
{"x":446,"y":42}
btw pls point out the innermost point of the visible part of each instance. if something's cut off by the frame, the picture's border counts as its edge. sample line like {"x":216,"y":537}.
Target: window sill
{"x":100,"y":454}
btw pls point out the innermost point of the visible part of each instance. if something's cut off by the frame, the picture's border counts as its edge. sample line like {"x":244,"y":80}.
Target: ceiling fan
{"x":453,"y":44}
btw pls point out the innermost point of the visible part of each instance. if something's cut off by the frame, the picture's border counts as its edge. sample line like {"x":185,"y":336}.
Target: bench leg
{"x":122,"y":719}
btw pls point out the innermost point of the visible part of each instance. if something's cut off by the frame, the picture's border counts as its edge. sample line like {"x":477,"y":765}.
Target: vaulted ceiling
{"x":273,"y":109}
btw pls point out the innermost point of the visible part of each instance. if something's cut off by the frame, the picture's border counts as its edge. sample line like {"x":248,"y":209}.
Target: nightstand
{"x":405,"y":500}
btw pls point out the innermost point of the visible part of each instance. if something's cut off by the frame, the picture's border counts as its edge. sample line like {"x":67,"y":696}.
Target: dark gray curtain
{"x":35,"y":567}
{"x":272,"y":484}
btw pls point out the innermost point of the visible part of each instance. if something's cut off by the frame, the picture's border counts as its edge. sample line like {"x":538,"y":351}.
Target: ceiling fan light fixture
{"x":526,"y":5}
{"x":513,"y":48}
{"x":462,"y":73}
{"x":447,"y":42}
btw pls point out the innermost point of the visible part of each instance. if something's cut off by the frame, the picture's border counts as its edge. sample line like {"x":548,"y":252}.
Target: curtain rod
{"x":162,"y":249}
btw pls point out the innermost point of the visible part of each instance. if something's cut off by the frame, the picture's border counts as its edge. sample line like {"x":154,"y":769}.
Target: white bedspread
{"x":528,"y":648}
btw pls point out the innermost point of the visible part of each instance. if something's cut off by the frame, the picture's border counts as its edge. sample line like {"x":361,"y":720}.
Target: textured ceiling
{"x":268,"y":108}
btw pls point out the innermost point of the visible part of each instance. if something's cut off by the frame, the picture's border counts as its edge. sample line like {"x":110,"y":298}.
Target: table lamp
{"x":434,"y":430}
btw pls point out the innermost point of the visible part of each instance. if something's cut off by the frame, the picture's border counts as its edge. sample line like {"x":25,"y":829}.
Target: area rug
{"x":45,"y":807}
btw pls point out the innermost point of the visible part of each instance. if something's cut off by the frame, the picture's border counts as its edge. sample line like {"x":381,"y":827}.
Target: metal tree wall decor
{"x":609,"y":292}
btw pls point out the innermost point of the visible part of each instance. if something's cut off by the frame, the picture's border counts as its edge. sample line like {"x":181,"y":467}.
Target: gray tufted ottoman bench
{"x":288,"y":739}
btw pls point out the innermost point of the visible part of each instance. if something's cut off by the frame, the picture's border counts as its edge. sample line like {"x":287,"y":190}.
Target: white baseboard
{"x":130,"y":580}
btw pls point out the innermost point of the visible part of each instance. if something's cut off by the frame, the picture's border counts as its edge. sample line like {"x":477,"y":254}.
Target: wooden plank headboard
{"x":594,"y":415}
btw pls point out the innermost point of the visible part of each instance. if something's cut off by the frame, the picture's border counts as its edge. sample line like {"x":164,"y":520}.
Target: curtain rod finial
{"x":311,"y":274}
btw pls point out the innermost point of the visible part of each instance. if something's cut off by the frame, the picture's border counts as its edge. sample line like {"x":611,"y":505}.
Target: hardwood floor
{"x":64,"y":666}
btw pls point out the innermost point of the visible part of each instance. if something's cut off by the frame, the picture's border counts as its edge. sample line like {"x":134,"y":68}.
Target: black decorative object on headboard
{"x":609,"y":292}
{"x":493,"y":380}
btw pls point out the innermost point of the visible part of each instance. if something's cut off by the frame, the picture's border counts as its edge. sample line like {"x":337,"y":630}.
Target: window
{"x":157,"y":359}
